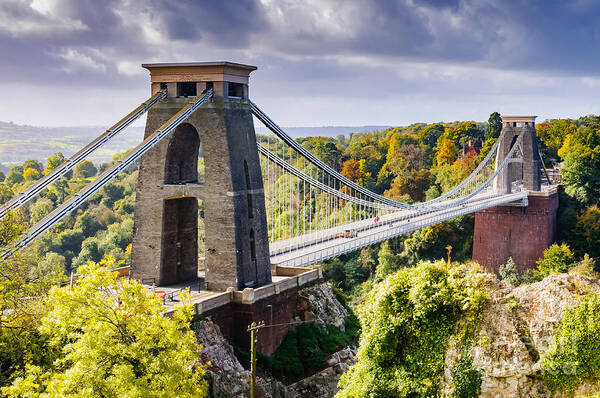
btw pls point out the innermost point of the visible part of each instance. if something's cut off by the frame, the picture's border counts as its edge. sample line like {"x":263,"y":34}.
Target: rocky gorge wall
{"x":516,"y":330}
{"x":228,"y":377}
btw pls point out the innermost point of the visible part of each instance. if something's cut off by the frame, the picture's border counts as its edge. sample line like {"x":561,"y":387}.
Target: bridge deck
{"x":326,"y":245}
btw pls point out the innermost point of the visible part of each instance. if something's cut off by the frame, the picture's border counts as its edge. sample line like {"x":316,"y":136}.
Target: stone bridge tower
{"x":518,"y":230}
{"x":165,"y":237}
{"x":529,"y":162}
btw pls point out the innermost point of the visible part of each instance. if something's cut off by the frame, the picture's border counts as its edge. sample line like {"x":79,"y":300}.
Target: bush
{"x":466,"y":379}
{"x":585,"y":267}
{"x":575,"y":355}
{"x":508,"y":272}
{"x":304,"y":351}
{"x":406,"y":323}
{"x":557,"y":260}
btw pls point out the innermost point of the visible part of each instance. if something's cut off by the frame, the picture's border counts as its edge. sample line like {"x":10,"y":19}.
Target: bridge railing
{"x":386,"y":232}
{"x":293,"y":191}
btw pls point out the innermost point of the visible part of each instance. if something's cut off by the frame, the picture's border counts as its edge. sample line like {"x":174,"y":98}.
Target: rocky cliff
{"x":228,"y":377}
{"x":516,"y":330}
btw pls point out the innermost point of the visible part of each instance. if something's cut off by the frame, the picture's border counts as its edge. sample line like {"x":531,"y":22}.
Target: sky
{"x":320,"y":62}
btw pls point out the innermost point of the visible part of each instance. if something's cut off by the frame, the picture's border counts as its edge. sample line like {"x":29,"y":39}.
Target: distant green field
{"x":20,"y":143}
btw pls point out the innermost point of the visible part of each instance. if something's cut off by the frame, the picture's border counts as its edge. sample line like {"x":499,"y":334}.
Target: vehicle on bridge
{"x":348,"y":233}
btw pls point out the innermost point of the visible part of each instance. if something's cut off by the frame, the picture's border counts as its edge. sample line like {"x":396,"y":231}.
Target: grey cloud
{"x":360,"y":49}
{"x":226,"y":22}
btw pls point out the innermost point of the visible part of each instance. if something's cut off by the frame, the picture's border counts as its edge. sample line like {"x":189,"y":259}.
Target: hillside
{"x":323,"y":131}
{"x":21,"y":142}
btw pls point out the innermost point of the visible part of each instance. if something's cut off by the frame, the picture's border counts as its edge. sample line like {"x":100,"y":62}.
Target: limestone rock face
{"x":516,"y":331}
{"x":228,"y":378}
{"x":324,"y":383}
{"x":319,"y":303}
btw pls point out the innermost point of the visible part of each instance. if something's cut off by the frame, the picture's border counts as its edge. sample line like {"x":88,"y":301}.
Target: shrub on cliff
{"x":407,"y":321}
{"x":575,"y":355}
{"x":557,"y":259}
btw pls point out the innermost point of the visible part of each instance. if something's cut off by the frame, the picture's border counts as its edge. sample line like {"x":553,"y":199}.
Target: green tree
{"x":408,"y":166}
{"x":51,"y":262}
{"x":325,"y":149}
{"x":430,"y":134}
{"x":487,"y":147}
{"x":53,"y":162}
{"x":61,"y":189}
{"x":553,"y":133}
{"x":557,"y":259}
{"x":388,"y":262}
{"x":581,"y":173}
{"x":112,"y":339}
{"x":406,"y":323}
{"x":90,"y":251}
{"x":19,"y":317}
{"x":85,"y":169}
{"x":465,"y":132}
{"x":586,"y":236}
{"x":5,"y":193}
{"x":15,"y":176}
{"x":112,"y":192}
{"x":2,"y":176}
{"x":494,"y":126}
{"x":40,"y":209}
{"x":414,"y":184}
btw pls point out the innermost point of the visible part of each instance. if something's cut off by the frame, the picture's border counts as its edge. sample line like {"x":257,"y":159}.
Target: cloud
{"x":17,"y":19}
{"x":359,"y":50}
{"x":77,"y":61}
{"x":129,"y":68}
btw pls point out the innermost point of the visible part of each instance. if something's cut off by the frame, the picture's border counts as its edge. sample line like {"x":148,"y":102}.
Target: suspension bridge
{"x":267,"y":202}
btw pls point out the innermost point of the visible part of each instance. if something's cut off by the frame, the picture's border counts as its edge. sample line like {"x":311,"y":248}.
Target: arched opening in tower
{"x":515,"y":168}
{"x":182,"y":165}
{"x":179,"y":260}
{"x":253,"y":257}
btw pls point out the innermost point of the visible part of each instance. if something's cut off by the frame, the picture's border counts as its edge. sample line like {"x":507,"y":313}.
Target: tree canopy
{"x":109,"y":337}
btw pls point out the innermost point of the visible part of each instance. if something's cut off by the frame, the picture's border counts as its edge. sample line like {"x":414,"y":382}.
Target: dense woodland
{"x":410,"y":164}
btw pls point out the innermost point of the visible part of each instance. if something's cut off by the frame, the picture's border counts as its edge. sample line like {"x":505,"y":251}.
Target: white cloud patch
{"x":77,"y":61}
{"x":36,"y":19}
{"x":130,"y":68}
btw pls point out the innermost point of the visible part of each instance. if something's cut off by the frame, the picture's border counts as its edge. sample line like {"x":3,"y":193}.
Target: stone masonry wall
{"x":228,"y":140}
{"x":522,"y":233}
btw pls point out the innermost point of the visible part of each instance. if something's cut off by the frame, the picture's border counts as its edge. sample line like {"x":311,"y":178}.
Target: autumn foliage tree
{"x":53,"y":162}
{"x":446,"y":153}
{"x":110,"y":338}
{"x":30,"y":174}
